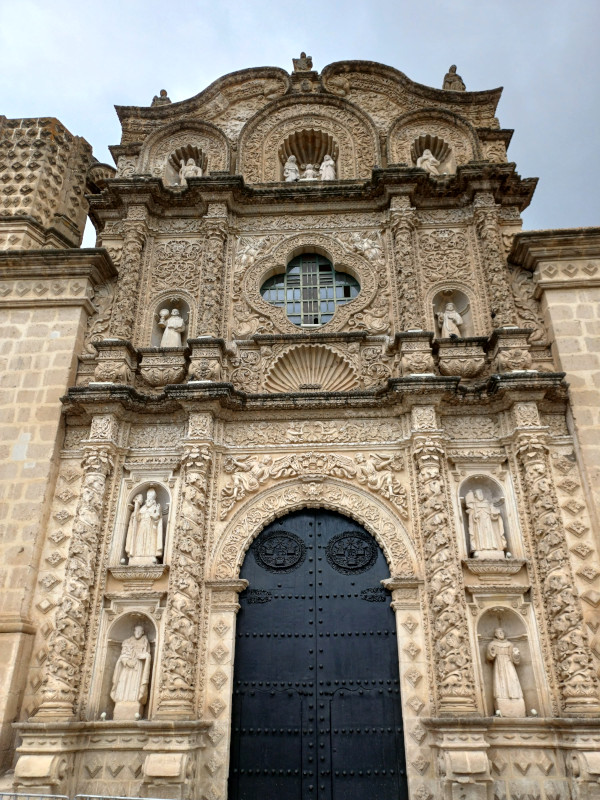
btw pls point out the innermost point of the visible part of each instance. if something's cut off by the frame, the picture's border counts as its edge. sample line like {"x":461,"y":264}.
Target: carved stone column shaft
{"x":213,"y":268}
{"x":453,"y":662}
{"x":67,"y":642}
{"x":403,"y":228}
{"x":177,"y":691}
{"x":496,"y":274}
{"x":577,"y":678}
{"x":125,"y":305}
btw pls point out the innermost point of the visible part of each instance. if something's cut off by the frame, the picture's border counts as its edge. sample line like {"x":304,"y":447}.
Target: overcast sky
{"x":75,"y":59}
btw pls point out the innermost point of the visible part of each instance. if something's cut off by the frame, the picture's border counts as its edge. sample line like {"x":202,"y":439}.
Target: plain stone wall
{"x":38,"y":347}
{"x":573,"y":317}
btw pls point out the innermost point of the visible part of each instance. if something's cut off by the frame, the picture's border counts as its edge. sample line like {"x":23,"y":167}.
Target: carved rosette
{"x":452,"y":654}
{"x":180,"y":651}
{"x":578,"y":682}
{"x":494,"y":261}
{"x":67,"y":644}
{"x":209,"y":322}
{"x":125,"y":304}
{"x":403,"y":229}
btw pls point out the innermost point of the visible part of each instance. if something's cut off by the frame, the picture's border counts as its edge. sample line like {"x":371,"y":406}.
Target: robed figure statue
{"x":144,"y":542}
{"x":129,"y":690}
{"x":508,"y":695}
{"x":486,"y":527}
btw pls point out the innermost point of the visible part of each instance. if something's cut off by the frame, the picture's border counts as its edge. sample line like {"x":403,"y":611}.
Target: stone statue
{"x":450,"y":321}
{"x":310,"y":173}
{"x":290,"y":170}
{"x":486,"y":527}
{"x":428,"y":162}
{"x":327,"y":169}
{"x":144,"y":543}
{"x":161,"y":99}
{"x":508,"y":695}
{"x":303,"y":64}
{"x":173,"y":326}
{"x":189,"y":170}
{"x":452,"y":81}
{"x":129,"y":689}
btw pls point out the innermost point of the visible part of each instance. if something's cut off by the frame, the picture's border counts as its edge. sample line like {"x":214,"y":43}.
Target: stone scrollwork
{"x":248,"y":473}
{"x":288,"y":496}
{"x":180,"y":656}
{"x":577,"y":677}
{"x":453,"y":661}
{"x":67,"y":644}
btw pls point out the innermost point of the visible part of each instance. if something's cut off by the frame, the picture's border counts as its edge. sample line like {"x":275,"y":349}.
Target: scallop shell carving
{"x":309,"y":146}
{"x":435,"y":144}
{"x":311,"y":369}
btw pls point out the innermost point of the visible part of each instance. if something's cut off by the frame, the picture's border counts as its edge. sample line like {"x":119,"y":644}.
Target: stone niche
{"x":160,"y":319}
{"x":493,"y":494}
{"x":121,"y":629}
{"x":462,"y":305}
{"x":308,"y":146}
{"x":126,"y":529}
{"x":515,"y":631}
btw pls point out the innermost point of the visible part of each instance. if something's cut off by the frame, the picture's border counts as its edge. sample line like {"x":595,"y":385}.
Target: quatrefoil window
{"x":310,"y":290}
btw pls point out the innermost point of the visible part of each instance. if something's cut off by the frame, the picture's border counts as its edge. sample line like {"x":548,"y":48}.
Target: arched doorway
{"x":316,"y":695}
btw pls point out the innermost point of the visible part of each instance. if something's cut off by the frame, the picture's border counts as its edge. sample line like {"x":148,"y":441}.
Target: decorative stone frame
{"x":343,"y":261}
{"x":169,"y":298}
{"x":223,"y":584}
{"x":264,"y":135}
{"x":159,"y":146}
{"x":475,"y":325}
{"x":457,"y":131}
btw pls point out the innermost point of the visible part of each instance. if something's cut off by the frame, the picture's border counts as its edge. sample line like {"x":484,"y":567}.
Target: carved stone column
{"x":124,"y":307}
{"x":453,"y":660}
{"x":578,"y":682}
{"x":177,"y":690}
{"x":213,"y":271}
{"x":494,"y":261}
{"x":67,"y":643}
{"x":407,"y":286}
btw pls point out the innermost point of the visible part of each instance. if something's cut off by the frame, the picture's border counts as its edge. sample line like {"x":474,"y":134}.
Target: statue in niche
{"x":452,"y":81}
{"x":486,"y":526}
{"x":129,"y":690}
{"x":428,"y":162}
{"x":310,"y":173}
{"x":450,"y":322}
{"x":189,"y":170}
{"x":327,"y":169}
{"x":144,"y":542}
{"x":173,"y":326}
{"x":508,"y":695}
{"x":291,"y":172}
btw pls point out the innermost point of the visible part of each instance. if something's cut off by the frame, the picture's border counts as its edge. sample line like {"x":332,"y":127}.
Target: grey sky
{"x":75,"y":59}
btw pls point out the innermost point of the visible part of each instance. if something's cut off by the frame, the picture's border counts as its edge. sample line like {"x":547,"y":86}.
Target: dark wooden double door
{"x":316,"y":695}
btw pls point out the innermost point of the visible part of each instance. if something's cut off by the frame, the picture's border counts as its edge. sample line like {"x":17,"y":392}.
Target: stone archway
{"x":224,"y":584}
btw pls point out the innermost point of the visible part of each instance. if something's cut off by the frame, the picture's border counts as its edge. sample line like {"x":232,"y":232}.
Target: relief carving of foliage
{"x":98,"y":323}
{"x":444,"y":253}
{"x":214,"y":147}
{"x":402,"y":138}
{"x":256,"y":433}
{"x":472,"y":427}
{"x":156,"y":436}
{"x":528,"y":308}
{"x":176,"y":263}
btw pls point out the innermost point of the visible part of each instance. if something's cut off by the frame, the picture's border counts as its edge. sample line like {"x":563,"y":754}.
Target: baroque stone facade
{"x":174,"y":390}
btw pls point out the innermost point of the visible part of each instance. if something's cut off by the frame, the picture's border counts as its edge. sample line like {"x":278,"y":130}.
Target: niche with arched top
{"x":166,"y":330}
{"x":184,"y":153}
{"x":141,"y":534}
{"x":308,"y":146}
{"x":119,"y":681}
{"x":492,"y":513}
{"x":515,"y":631}
{"x":455,"y":322}
{"x":439,"y":149}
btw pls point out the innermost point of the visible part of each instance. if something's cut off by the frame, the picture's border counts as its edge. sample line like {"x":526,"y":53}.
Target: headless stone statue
{"x":508,"y":695}
{"x":129,"y":690}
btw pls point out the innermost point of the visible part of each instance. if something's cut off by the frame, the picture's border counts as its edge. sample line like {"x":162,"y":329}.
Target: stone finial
{"x":452,"y":81}
{"x":303,"y":64}
{"x":161,"y":99}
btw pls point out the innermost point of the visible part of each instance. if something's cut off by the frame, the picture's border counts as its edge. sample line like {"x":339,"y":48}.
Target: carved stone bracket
{"x":162,"y":366}
{"x":453,"y":662}
{"x":117,"y":362}
{"x":415,"y":352}
{"x":577,"y":677}
{"x":510,"y":350}
{"x":177,"y":690}
{"x":206,"y":361}
{"x":67,"y":645}
{"x":463,"y":357}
